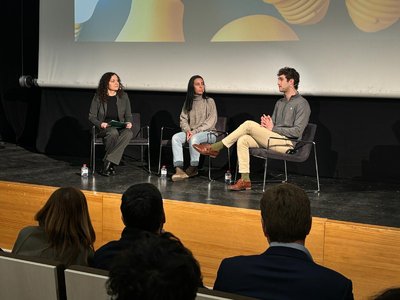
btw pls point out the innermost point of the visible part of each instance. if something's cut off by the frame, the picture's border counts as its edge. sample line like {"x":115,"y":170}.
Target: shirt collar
{"x":296,"y":246}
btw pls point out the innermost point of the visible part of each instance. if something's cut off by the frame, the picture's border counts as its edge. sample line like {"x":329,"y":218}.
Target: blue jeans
{"x":179,"y":139}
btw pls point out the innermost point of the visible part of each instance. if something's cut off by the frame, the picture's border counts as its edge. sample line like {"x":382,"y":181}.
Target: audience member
{"x":197,"y":119}
{"x":111,"y":103}
{"x":142,"y":211}
{"x":155,"y":268}
{"x":65,"y":232}
{"x":388,"y":294}
{"x":286,"y":269}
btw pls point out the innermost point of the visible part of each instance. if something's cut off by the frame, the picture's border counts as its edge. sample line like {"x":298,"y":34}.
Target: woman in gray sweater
{"x":198,"y":117}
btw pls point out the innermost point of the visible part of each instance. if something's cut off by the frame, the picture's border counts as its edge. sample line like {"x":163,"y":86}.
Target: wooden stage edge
{"x":367,"y":254}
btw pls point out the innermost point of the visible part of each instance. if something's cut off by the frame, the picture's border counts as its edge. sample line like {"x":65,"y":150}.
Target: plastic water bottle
{"x":228,"y":177}
{"x":84,"y":171}
{"x":164,"y":172}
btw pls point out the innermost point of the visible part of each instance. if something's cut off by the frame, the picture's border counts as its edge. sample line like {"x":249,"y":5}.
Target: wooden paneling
{"x":20,"y":202}
{"x":112,"y":220}
{"x":315,"y":240}
{"x":213,"y":232}
{"x":369,"y":255}
{"x":18,"y":206}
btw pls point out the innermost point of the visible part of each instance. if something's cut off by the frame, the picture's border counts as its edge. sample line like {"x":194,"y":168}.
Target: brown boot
{"x":192,"y":171}
{"x":240,"y":185}
{"x":179,"y":175}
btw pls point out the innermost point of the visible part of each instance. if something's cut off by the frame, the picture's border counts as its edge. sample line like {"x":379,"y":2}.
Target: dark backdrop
{"x":356,"y":137}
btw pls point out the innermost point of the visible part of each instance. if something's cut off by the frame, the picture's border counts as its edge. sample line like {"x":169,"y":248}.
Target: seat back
{"x":85,"y":283}
{"x":136,"y":125}
{"x":207,"y":294}
{"x":221,"y":124}
{"x":30,"y":278}
{"x":304,"y":146}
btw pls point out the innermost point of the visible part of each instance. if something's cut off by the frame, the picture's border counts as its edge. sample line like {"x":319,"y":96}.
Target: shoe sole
{"x":178,"y":178}
{"x":192,"y":175}
{"x":237,"y":190}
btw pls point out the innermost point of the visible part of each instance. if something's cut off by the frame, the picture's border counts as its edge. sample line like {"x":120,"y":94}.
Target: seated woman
{"x":198,"y":117}
{"x":65,"y":232}
{"x":111,"y":103}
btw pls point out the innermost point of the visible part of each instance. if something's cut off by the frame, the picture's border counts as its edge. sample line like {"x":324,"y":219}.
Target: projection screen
{"x":340,"y":48}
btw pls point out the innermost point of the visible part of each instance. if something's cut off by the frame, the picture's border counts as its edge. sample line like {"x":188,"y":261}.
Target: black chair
{"x":302,"y":151}
{"x":219,"y":132}
{"x":141,"y":137}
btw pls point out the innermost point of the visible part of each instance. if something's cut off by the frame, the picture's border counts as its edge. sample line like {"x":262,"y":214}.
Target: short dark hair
{"x":286,"y":213}
{"x":156,"y":268}
{"x":290,"y":73}
{"x":389,"y":294}
{"x":142,"y":207}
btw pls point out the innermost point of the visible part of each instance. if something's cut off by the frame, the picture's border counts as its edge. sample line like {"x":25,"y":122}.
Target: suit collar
{"x":288,"y":251}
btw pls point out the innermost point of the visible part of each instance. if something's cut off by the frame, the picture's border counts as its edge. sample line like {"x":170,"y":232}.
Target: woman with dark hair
{"x":65,"y":232}
{"x":111,"y":103}
{"x":198,"y":117}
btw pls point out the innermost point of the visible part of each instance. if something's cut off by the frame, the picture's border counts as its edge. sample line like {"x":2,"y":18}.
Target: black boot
{"x":105,"y":171}
{"x":192,"y":171}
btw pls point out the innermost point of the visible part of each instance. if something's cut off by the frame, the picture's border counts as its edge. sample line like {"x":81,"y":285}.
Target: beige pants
{"x":252,"y":135}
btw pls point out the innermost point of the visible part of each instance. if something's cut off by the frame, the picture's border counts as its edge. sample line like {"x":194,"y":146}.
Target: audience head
{"x":286,"y":213}
{"x":142,"y":208}
{"x":103,"y":86}
{"x":66,"y":221}
{"x":389,"y":294}
{"x":155,"y":268}
{"x":290,"y":73}
{"x":196,"y":85}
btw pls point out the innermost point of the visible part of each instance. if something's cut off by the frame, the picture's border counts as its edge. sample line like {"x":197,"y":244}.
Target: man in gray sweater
{"x":289,"y":119}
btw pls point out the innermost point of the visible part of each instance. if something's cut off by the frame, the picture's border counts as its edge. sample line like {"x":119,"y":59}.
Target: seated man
{"x":286,"y":269}
{"x":156,"y":268}
{"x":289,"y":119}
{"x":142,"y":211}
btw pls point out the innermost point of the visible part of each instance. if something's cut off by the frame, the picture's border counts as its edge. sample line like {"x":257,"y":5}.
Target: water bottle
{"x":164,"y":172}
{"x":84,"y":171}
{"x":228,"y":177}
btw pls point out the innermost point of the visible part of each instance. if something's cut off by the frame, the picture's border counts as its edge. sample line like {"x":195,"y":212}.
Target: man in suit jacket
{"x":286,"y":269}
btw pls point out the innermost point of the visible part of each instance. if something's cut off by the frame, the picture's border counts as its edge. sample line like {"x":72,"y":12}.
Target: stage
{"x":351,"y":200}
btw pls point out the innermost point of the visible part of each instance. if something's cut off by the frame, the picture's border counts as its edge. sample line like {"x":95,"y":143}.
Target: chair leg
{"x":148,"y":157}
{"x":159,"y":159}
{"x":209,"y":169}
{"x":94,"y":159}
{"x":285,"y":170}
{"x":141,"y":156}
{"x":229,"y":158}
{"x":316,"y":166}
{"x":265,"y":174}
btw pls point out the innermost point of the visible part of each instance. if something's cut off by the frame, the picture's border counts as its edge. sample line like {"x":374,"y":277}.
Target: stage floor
{"x":349,"y":200}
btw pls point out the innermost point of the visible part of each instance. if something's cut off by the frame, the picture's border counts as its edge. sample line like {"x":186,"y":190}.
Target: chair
{"x":83,"y":283}
{"x":208,"y":294}
{"x":219,"y":132}
{"x":303,"y":148}
{"x":24,"y":277}
{"x":141,"y":137}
